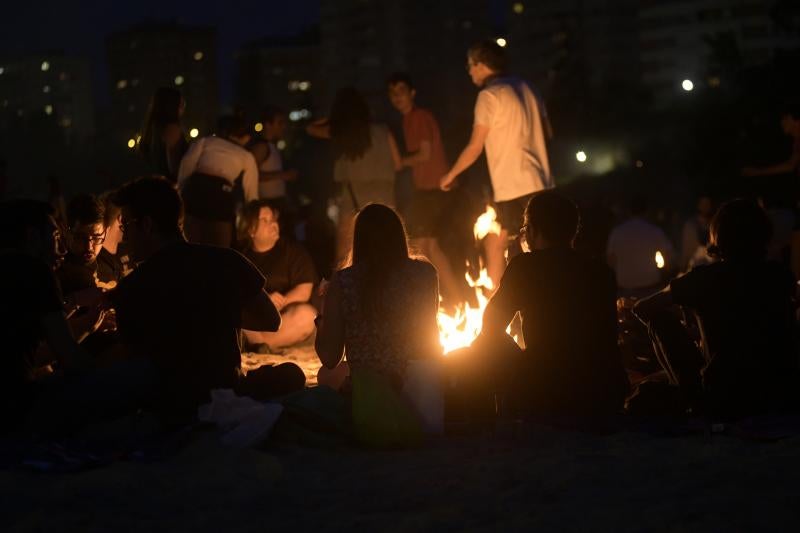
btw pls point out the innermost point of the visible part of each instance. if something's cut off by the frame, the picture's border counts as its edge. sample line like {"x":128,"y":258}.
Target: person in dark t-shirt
{"x":743,"y":305}
{"x":185,"y":303}
{"x":289,"y":273}
{"x":571,"y":365}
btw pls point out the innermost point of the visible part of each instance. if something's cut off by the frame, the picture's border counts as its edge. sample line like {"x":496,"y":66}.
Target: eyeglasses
{"x":82,"y":236}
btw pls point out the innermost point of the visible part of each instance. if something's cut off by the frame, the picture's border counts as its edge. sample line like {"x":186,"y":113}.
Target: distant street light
{"x":687,"y":85}
{"x":581,"y":156}
{"x":501,"y":42}
{"x":131,"y":143}
{"x":194,"y":132}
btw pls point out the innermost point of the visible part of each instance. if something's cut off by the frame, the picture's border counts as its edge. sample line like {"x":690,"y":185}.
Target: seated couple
{"x":179,"y":314}
{"x":381,"y":311}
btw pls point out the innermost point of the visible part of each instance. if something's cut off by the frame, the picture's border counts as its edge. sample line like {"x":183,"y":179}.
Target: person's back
{"x":515,"y":145}
{"x":746,"y":318}
{"x":374,"y":165}
{"x":182,"y":308}
{"x":632,"y":248}
{"x":385,"y":344}
{"x":567,"y":304}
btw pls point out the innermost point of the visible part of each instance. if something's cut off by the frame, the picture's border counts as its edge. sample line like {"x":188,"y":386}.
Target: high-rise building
{"x":687,"y":45}
{"x":282,"y":72}
{"x":591,"y":41}
{"x":46,"y":93}
{"x":364,"y":41}
{"x":151,"y":55}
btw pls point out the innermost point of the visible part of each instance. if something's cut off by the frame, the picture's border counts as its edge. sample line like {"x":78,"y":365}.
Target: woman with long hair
{"x":381,"y":310}
{"x":366,"y":158}
{"x":163,"y":142}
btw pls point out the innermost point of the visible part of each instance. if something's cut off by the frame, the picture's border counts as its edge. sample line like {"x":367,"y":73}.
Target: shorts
{"x":511,"y":214}
{"x":360,"y":193}
{"x":425,"y":211}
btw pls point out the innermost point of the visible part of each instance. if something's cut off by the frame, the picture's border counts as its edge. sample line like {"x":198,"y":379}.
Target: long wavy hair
{"x":380,"y":248}
{"x":164,"y":109}
{"x":350,"y":124}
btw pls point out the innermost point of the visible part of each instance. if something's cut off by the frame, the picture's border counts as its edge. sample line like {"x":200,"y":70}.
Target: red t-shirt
{"x":420,"y":125}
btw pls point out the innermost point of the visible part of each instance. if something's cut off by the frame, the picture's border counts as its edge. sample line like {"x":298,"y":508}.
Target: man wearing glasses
{"x":510,"y":122}
{"x":85,"y":234}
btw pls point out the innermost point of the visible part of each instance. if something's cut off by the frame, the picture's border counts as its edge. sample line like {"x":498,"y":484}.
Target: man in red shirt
{"x":428,"y":163}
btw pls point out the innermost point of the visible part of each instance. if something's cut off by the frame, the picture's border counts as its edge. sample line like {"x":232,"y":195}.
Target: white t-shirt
{"x":631,"y":251}
{"x":273,"y":163}
{"x":225,"y":159}
{"x":515,"y":145}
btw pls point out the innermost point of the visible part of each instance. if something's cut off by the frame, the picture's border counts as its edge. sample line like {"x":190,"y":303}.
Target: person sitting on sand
{"x":381,"y":310}
{"x":571,"y":365}
{"x":184,"y":304}
{"x":289,"y":272}
{"x":743,"y":304}
{"x":31,"y":309}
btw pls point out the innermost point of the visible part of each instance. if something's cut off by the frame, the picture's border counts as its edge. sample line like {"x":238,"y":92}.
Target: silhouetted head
{"x":551,"y":220}
{"x":401,"y":92}
{"x":350,"y":124}
{"x":485,"y":59}
{"x":28,"y":226}
{"x":152,"y":213}
{"x":273,"y":120}
{"x":234,"y":128}
{"x":740,"y":231}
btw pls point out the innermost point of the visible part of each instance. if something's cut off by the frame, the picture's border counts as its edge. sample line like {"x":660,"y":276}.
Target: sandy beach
{"x":535,"y":478}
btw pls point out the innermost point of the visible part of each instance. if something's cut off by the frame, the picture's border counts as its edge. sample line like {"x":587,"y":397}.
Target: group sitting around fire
{"x":176,"y":320}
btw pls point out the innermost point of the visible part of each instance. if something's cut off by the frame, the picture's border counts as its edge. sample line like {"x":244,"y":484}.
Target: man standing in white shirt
{"x":510,"y":124}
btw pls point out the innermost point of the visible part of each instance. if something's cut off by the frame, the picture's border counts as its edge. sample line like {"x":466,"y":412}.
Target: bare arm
{"x":420,"y":156}
{"x":62,"y":343}
{"x":321,"y":129}
{"x":468,"y":155}
{"x":647,"y":308}
{"x":260,"y":314}
{"x":330,"y":330}
{"x":250,"y":178}
{"x":299,"y":294}
{"x":273,"y":175}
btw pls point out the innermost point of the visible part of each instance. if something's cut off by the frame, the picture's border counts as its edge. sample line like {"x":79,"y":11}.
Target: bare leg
{"x":297,"y":323}
{"x":495,"y":246}
{"x":333,"y":377}
{"x":449,"y":286}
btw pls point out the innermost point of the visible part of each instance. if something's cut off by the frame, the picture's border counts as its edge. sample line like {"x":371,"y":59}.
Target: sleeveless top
{"x":409,"y":328}
{"x":375,"y":164}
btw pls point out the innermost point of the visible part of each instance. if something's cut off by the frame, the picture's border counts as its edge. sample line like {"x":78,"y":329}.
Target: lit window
{"x":2,"y":70}
{"x":194,"y":132}
{"x":198,"y":55}
{"x":121,"y":84}
{"x":48,"y":109}
{"x":294,"y":116}
{"x":518,"y":8}
{"x":178,"y":80}
{"x":294,"y":85}
{"x":639,"y":163}
{"x":46,"y":89}
{"x":501,"y":42}
{"x":281,"y":144}
{"x":687,"y":85}
{"x":66,"y":122}
{"x":131,"y":143}
{"x":304,"y":85}
{"x":258,"y":126}
{"x":581,"y":156}
{"x":45,"y":66}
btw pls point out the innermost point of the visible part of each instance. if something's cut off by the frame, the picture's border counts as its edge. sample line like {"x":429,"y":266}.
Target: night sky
{"x":81,"y":27}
